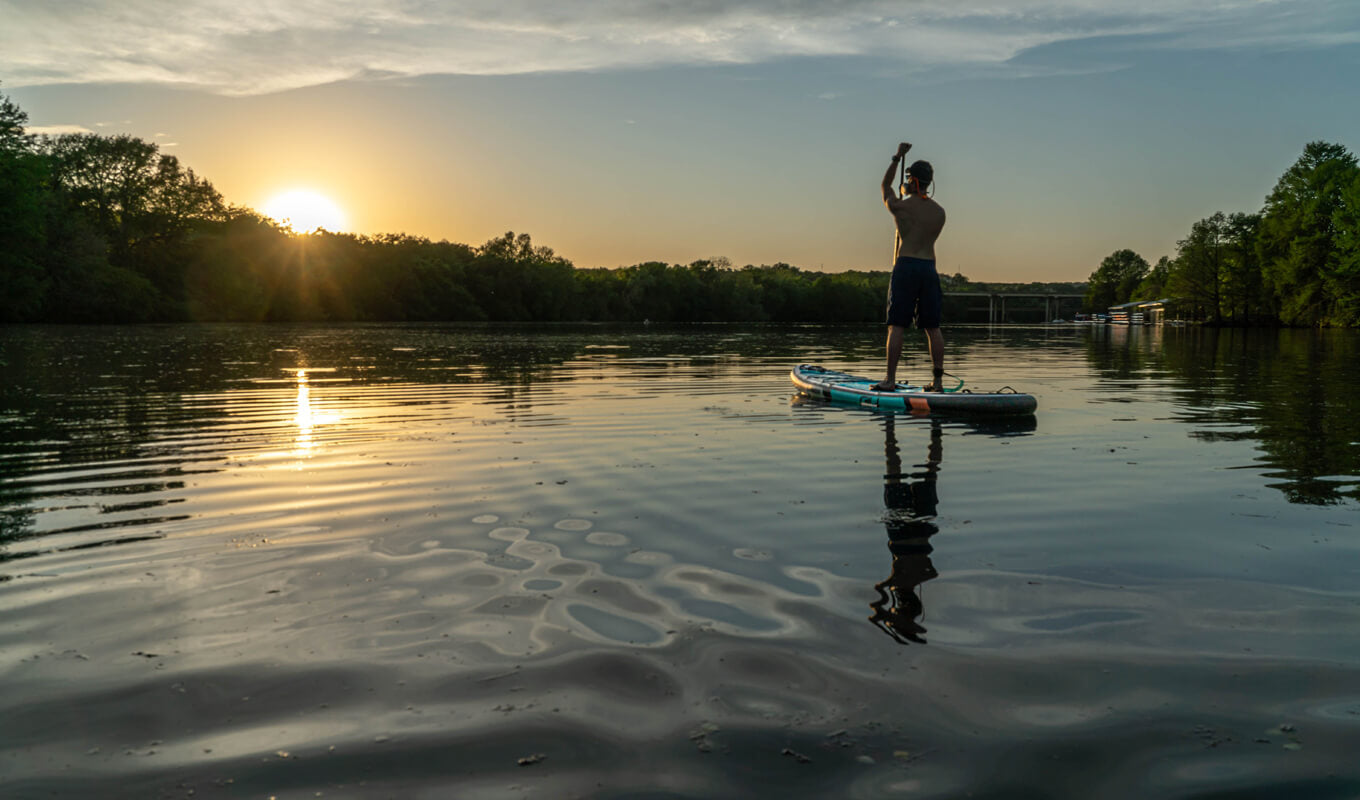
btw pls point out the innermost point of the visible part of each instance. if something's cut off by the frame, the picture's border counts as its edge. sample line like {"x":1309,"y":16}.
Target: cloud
{"x":56,"y":130}
{"x":255,"y":46}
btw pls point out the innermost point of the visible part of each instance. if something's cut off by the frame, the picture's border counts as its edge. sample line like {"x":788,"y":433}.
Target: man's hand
{"x":903,"y":148}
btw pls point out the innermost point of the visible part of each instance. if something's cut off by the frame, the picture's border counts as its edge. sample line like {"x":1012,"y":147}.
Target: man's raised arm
{"x":889,"y":193}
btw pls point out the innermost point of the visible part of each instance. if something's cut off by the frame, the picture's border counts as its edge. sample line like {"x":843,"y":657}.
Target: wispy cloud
{"x":56,"y":130}
{"x":254,"y":46}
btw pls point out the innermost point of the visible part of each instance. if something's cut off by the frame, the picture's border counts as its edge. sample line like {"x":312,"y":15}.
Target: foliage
{"x":1201,"y":267}
{"x":1344,"y":270}
{"x":1115,"y":280}
{"x":1154,"y":284}
{"x":1298,"y":242}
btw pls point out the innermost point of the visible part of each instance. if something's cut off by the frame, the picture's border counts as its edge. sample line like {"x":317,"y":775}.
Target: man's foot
{"x":885,"y":386}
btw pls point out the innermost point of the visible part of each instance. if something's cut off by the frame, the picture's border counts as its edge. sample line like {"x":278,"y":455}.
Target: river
{"x":627,"y":561}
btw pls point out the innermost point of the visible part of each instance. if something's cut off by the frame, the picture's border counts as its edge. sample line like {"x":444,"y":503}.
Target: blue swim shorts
{"x":914,"y":293}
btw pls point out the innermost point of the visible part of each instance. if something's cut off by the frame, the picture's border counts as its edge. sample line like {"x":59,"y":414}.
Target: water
{"x":399,"y":561}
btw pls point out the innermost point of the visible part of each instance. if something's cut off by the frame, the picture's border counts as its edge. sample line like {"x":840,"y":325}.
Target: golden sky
{"x":618,"y":133}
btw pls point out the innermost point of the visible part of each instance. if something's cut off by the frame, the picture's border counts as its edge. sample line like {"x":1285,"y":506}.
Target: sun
{"x":305,"y":211}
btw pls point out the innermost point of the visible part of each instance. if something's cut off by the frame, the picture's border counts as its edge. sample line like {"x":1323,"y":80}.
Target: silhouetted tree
{"x":1154,"y":284}
{"x":1201,"y":266}
{"x":23,"y":218}
{"x":1344,"y":272}
{"x":1115,"y":279}
{"x":1298,"y":243}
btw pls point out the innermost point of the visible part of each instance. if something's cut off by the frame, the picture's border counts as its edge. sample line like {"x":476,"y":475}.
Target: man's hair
{"x":922,"y":172}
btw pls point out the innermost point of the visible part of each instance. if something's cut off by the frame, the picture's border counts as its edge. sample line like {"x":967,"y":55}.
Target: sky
{"x":623,"y":131}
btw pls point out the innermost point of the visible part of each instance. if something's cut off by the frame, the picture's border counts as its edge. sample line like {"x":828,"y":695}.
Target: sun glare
{"x":305,"y":211}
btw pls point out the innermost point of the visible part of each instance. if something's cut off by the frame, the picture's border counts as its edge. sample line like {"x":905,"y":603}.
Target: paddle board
{"x":841,"y":387}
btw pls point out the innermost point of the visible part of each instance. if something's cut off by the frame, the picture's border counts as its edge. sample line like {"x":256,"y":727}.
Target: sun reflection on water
{"x":307,"y":419}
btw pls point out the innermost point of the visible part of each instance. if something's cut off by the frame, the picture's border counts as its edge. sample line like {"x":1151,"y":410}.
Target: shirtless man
{"x":914,"y":292}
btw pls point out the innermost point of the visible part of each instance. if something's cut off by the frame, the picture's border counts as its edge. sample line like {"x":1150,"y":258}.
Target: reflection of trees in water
{"x":16,"y":510}
{"x":1297,"y":392}
{"x":910,"y":502}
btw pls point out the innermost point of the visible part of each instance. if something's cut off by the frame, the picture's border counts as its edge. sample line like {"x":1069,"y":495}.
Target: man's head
{"x":923,"y":174}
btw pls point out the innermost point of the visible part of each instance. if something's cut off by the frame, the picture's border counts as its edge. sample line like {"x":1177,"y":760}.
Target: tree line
{"x":109,"y":229}
{"x":1295,"y":262}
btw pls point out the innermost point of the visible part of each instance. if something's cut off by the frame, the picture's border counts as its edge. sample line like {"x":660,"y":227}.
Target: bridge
{"x":996,"y":302}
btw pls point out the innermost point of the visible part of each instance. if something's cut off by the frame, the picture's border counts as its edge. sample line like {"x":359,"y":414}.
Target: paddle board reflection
{"x":910,"y":502}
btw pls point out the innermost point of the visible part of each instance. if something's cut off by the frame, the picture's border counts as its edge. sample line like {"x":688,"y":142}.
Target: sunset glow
{"x":305,"y":211}
{"x":462,"y":121}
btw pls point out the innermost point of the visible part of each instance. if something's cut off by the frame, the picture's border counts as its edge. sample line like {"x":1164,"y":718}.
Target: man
{"x":914,"y":292}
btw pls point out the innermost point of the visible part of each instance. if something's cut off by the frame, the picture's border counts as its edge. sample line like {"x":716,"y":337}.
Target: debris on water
{"x":700,"y":736}
{"x":499,"y":675}
{"x":799,"y":757}
{"x":147,"y":655}
{"x":530,"y":760}
{"x":834,"y":734}
{"x":864,"y":759}
{"x":1291,"y":733}
{"x":381,"y":739}
{"x":906,"y":756}
{"x":1210,"y":736}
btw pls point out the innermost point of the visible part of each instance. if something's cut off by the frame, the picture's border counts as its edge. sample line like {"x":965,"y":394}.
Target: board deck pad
{"x":842,"y":387}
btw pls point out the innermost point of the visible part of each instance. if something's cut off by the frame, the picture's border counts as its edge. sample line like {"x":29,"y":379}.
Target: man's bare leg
{"x":895,"y":334}
{"x":935,"y":341}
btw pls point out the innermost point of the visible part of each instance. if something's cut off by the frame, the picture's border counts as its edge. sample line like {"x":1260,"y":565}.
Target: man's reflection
{"x":909,"y":517}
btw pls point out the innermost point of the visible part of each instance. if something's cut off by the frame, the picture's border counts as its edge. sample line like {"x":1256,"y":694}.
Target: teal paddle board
{"x":841,"y":387}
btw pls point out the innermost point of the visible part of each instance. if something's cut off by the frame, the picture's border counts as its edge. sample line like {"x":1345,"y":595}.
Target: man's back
{"x":919,"y":222}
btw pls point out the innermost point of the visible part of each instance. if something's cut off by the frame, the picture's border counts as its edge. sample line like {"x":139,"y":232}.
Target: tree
{"x":141,"y":203}
{"x":1153,"y":286}
{"x":1298,"y":248}
{"x":1115,"y":280}
{"x":133,"y":193}
{"x":14,"y":137}
{"x":1200,"y":266}
{"x":1244,"y":295}
{"x":1344,"y":279}
{"x":23,"y":218}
